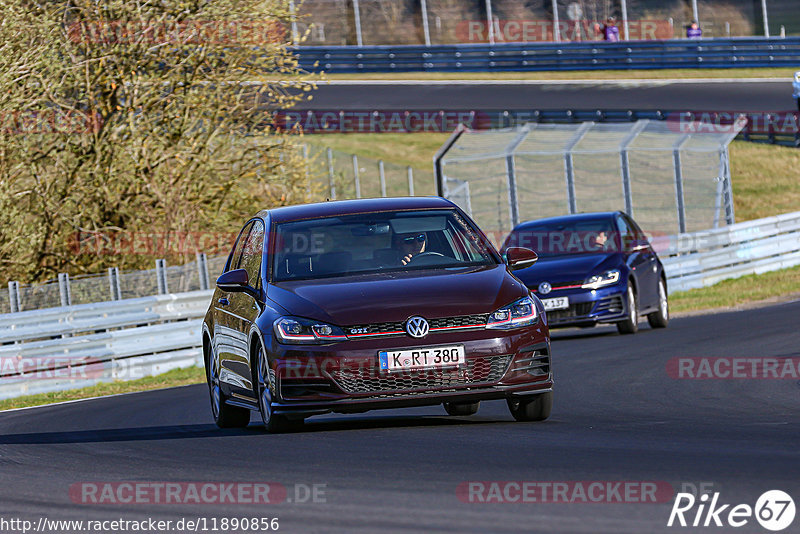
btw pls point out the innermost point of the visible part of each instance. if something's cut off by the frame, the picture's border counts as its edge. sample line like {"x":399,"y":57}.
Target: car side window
{"x":236,"y":254}
{"x":251,"y":254}
{"x":625,"y":233}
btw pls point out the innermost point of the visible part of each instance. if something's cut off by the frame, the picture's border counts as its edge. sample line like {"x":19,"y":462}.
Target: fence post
{"x":730,"y":216}
{"x":676,"y":164}
{"x":331,"y":184}
{"x":63,"y":289}
{"x":382,"y":176}
{"x":410,"y":181}
{"x":357,"y":14}
{"x":625,"y":164}
{"x":293,"y":13}
{"x":569,"y":171}
{"x":161,"y":277}
{"x":425,"y":28}
{"x":13,"y":297}
{"x":113,"y":283}
{"x":490,"y":21}
{"x":556,"y":22}
{"x":202,"y":270}
{"x":624,"y":6}
{"x":766,"y":20}
{"x":355,"y":176}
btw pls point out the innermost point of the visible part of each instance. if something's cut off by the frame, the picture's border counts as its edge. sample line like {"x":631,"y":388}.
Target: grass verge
{"x":738,"y":291}
{"x":176,"y":377}
{"x":766,"y":72}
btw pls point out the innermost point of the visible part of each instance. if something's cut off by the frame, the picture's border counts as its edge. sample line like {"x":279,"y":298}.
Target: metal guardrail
{"x":77,"y":346}
{"x":674,"y":53}
{"x":704,"y":258}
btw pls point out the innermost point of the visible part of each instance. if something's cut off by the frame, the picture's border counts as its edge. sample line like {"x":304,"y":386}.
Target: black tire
{"x":462,"y":408}
{"x":631,"y":323}
{"x":536,"y":409}
{"x":265,"y":386}
{"x":660,"y":318}
{"x":225,"y":416}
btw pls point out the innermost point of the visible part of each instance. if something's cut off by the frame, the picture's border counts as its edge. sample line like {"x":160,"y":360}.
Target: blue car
{"x":593,"y":268}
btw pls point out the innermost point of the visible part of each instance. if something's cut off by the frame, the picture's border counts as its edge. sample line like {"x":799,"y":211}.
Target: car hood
{"x":572,"y":268}
{"x":396,"y":296}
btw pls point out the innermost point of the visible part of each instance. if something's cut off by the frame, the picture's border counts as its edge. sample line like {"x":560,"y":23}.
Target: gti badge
{"x":417,"y":327}
{"x":545,"y":288}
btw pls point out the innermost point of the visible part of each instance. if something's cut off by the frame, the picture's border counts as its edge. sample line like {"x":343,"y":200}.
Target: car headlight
{"x":298,"y":330}
{"x":601,"y":280}
{"x":520,"y":313}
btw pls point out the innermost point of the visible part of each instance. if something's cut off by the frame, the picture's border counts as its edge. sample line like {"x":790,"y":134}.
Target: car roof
{"x":349,"y":207}
{"x":577,"y":217}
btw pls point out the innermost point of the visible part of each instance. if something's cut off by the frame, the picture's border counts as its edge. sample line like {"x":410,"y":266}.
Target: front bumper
{"x":346,"y":378}
{"x":588,"y":307}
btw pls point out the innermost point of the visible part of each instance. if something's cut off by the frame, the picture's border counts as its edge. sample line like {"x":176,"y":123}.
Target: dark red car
{"x":365,"y":304}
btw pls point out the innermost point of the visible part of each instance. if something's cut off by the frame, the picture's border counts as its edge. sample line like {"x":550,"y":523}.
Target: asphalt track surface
{"x":618,"y":416}
{"x":676,"y":95}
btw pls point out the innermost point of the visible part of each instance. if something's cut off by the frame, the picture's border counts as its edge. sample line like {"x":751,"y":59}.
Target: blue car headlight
{"x":306,"y":331}
{"x":601,"y":280}
{"x":520,"y":313}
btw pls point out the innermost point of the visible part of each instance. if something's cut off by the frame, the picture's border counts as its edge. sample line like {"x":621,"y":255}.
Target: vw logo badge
{"x":545,"y":288}
{"x":417,"y":327}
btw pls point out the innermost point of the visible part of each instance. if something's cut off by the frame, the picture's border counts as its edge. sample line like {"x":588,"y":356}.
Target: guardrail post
{"x":295,"y":33}
{"x":113,"y":283}
{"x":63,"y":289}
{"x":730,"y":216}
{"x":410,"y":181}
{"x":764,"y":15}
{"x":202,"y":270}
{"x":331,"y":184}
{"x":382,"y":177}
{"x":355,"y":176}
{"x":161,"y":276}
{"x":13,"y":297}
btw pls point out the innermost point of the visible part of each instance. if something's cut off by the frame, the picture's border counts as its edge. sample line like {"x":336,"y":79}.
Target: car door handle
{"x":223,"y":301}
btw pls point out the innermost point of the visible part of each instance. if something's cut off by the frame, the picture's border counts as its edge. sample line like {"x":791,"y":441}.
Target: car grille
{"x":574,"y":310}
{"x":557,"y":285}
{"x":398,"y":328}
{"x":481,"y":370}
{"x":610,"y":304}
{"x":537,"y":363}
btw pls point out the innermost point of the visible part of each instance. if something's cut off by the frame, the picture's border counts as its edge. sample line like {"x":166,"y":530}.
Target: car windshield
{"x":376,"y":242}
{"x":594,"y":236}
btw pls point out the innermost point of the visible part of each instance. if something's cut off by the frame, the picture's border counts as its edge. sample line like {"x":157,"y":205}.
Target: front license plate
{"x":422,"y":358}
{"x":560,"y":303}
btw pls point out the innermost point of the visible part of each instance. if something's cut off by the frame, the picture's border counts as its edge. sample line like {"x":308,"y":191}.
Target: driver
{"x":409,"y":245}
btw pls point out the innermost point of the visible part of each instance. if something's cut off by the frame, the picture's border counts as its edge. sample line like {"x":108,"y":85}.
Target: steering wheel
{"x":424,"y":254}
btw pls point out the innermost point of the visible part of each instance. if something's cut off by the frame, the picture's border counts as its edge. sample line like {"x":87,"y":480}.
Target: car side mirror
{"x":236,"y":280}
{"x":519,"y":257}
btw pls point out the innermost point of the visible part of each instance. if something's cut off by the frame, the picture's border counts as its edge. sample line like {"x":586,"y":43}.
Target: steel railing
{"x":592,"y":55}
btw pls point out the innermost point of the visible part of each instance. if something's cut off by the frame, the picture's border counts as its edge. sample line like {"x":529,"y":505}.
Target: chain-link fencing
{"x":672,"y":178}
{"x":434,"y":22}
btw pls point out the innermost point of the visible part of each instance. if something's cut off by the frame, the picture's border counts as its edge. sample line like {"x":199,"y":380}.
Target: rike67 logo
{"x":774,"y":510}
